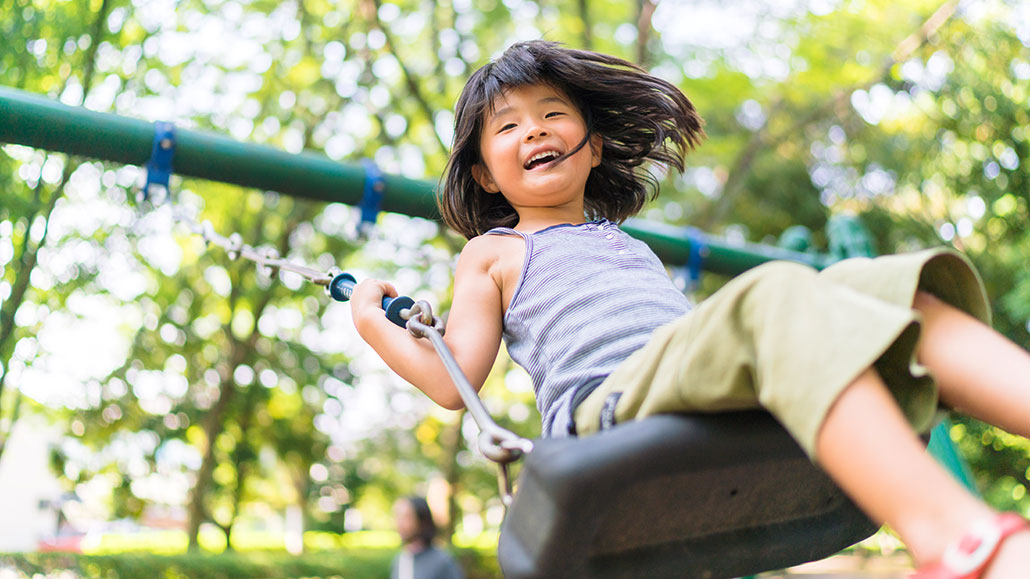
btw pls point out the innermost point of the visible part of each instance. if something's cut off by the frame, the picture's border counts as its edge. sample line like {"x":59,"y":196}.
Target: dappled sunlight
{"x":184,"y":385}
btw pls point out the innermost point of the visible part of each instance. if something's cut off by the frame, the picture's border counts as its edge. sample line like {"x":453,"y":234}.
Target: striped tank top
{"x":589,"y":296}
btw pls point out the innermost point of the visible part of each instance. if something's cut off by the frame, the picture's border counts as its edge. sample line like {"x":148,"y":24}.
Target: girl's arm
{"x":473,"y":333}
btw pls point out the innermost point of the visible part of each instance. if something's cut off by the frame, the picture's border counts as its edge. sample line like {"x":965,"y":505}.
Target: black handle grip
{"x":342,"y":286}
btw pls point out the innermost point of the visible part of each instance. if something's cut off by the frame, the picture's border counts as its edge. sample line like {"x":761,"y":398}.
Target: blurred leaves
{"x":186,"y":378}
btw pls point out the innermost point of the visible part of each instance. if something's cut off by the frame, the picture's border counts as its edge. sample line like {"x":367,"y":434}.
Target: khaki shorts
{"x":787,"y":338}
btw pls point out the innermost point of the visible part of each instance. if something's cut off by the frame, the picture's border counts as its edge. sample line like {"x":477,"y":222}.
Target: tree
{"x":31,"y":205}
{"x":236,"y":389}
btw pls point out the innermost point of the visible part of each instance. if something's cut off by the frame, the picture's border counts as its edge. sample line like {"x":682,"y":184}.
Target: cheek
{"x":487,"y":152}
{"x":501,"y":157}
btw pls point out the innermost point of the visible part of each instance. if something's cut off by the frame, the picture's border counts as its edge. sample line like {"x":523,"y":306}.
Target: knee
{"x":926,"y":301}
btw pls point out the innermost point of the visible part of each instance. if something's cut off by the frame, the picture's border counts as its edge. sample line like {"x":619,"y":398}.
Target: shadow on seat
{"x":702,"y":495}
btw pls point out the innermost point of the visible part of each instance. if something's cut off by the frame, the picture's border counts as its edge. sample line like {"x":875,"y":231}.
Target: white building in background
{"x":30,"y":494}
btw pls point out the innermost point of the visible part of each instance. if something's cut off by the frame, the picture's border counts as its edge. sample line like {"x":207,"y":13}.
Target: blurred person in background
{"x":418,"y":558}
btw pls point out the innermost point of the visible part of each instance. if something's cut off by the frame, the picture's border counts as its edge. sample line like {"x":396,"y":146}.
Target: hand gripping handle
{"x":342,"y":286}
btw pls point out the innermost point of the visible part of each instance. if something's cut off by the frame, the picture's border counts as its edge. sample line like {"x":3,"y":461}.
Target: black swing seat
{"x":701,"y":495}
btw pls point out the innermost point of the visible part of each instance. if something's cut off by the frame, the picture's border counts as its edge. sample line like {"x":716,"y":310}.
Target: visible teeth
{"x":539,"y":156}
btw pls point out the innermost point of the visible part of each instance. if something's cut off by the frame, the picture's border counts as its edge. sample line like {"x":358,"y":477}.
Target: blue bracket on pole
{"x":372,"y":198}
{"x":696,"y":257}
{"x":159,"y":167}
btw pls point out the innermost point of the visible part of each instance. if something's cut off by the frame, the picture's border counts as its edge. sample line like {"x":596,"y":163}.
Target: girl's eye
{"x":506,"y":127}
{"x":553,"y":114}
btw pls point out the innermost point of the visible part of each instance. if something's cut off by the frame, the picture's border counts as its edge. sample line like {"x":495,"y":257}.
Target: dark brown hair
{"x":639,"y":117}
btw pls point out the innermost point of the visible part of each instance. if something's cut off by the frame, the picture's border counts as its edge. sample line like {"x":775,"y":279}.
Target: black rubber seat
{"x":721,"y":495}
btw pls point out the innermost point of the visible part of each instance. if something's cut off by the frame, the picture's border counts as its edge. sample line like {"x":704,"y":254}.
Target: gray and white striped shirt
{"x":588,"y":297}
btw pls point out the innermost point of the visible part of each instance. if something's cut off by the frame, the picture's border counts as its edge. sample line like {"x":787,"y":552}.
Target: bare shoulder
{"x":481,"y":250}
{"x":489,"y":252}
{"x":497,"y":257}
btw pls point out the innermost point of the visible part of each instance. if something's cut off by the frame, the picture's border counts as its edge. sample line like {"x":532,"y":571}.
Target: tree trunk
{"x":212,"y":428}
{"x":213,"y":424}
{"x":452,"y":443}
{"x":584,"y":17}
{"x":239,"y":462}
{"x":644,"y":14}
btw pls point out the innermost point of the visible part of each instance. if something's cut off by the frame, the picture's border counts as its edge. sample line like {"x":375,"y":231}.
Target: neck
{"x":533,"y":219}
{"x":415,"y":546}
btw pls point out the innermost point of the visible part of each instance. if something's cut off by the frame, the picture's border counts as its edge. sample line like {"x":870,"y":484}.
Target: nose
{"x":535,"y":132}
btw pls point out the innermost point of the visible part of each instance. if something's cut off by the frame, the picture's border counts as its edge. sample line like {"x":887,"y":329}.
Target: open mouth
{"x":541,"y":159}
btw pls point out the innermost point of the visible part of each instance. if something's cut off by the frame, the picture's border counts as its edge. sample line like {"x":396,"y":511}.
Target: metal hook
{"x":235,"y":246}
{"x":268,"y":254}
{"x":422,"y":314}
{"x":331,"y":275}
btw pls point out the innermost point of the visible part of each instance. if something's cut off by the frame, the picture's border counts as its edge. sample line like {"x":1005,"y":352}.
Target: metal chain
{"x":266,"y":258}
{"x":497,"y":444}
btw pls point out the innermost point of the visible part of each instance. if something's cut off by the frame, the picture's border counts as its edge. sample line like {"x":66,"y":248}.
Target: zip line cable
{"x":266,"y":258}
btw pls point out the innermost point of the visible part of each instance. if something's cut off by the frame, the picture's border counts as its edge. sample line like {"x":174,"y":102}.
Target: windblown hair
{"x":639,"y":117}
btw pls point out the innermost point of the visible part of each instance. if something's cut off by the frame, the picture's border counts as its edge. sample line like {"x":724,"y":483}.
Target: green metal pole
{"x":672,"y":244}
{"x":35,"y":121}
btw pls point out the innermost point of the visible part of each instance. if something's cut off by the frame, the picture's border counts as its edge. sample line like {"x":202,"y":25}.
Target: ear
{"x":596,"y":143}
{"x":482,"y":176}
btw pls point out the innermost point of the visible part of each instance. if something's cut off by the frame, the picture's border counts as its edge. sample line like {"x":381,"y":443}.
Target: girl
{"x":548,"y":142}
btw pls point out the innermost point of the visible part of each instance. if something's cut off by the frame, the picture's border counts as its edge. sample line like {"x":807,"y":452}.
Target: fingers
{"x":373,"y":290}
{"x":366,"y":303}
{"x":388,"y":289}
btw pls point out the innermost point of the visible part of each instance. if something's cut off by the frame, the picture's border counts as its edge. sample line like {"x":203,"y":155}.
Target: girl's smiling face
{"x":520,"y":145}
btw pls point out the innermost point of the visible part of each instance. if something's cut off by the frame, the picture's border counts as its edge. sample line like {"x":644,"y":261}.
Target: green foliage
{"x":240,"y":394}
{"x":993,"y":451}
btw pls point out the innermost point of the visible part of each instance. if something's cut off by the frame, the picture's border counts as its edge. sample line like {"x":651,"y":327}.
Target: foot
{"x":995,"y":548}
{"x":1012,"y":559}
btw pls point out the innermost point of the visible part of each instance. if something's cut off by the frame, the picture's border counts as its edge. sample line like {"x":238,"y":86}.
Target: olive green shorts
{"x":789,"y":339}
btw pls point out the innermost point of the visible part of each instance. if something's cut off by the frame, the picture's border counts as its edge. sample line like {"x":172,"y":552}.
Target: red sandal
{"x":967,"y":558}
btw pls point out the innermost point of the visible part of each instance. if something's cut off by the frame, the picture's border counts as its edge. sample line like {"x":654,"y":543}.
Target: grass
{"x":351,"y":564}
{"x":163,"y":555}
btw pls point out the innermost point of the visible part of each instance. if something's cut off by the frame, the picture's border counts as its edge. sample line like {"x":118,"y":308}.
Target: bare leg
{"x":979,"y":372}
{"x":868,"y":447}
